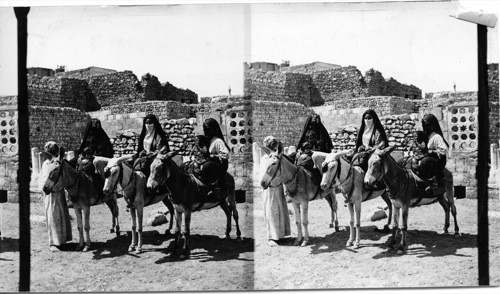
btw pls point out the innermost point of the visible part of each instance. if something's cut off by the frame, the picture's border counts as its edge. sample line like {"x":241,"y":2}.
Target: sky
{"x":203,"y":47}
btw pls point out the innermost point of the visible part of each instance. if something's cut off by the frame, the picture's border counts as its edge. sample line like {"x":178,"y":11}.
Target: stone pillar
{"x":494,"y":156}
{"x":35,"y":161}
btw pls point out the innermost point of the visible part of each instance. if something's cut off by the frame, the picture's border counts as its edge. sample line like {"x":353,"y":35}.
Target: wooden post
{"x":482,"y":171}
{"x":23,"y":173}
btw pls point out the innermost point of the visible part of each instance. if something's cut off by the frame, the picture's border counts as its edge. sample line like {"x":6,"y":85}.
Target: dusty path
{"x":433,"y":260}
{"x":215,"y":264}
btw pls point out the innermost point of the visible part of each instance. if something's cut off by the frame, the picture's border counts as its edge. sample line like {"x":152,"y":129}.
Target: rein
{"x":62,"y":178}
{"x":337,"y":174}
{"x":390,"y":180}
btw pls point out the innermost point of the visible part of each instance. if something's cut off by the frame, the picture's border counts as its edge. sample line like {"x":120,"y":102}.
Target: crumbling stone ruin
{"x":277,"y":100}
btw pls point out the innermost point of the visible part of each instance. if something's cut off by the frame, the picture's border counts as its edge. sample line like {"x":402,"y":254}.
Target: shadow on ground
{"x":213,"y":248}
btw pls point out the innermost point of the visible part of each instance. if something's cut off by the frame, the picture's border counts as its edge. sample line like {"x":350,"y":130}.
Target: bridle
{"x":381,"y":176}
{"x":125,"y":188}
{"x":61,"y":176}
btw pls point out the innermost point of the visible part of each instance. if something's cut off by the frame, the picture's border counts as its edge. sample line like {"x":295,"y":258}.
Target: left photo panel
{"x":141,"y":149}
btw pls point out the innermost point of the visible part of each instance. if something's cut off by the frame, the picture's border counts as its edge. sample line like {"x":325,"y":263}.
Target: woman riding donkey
{"x":314,"y":138}
{"x":218,"y":160}
{"x":371,"y":135}
{"x":151,"y":140}
{"x":432,"y":165}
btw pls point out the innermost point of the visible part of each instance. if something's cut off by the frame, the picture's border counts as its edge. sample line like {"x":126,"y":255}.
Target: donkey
{"x":82,"y":194}
{"x":299,"y":186}
{"x":187,"y":195}
{"x":404,"y":191}
{"x":338,"y":172}
{"x":120,"y":178}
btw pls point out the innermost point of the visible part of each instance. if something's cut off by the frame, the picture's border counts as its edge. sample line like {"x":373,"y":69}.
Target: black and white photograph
{"x":253,"y":146}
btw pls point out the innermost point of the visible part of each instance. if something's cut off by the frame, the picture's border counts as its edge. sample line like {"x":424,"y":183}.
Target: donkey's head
{"x":113,"y":173}
{"x":376,"y":166}
{"x":331,"y":171}
{"x":270,"y":166}
{"x":54,"y":171}
{"x":161,"y":170}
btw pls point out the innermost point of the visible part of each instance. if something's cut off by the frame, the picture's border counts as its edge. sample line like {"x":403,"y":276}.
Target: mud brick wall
{"x":118,"y":118}
{"x":284,"y":121}
{"x":54,"y":92}
{"x":116,"y":88}
{"x":179,"y":131}
{"x":60,"y":124}
{"x":493,"y":103}
{"x":377,"y":85}
{"x":278,"y":86}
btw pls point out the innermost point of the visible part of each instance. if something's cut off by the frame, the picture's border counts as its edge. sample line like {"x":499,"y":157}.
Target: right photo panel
{"x":365,"y":138}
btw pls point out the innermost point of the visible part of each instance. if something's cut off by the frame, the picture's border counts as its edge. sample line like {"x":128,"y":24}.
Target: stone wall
{"x":377,"y":85}
{"x":54,"y":92}
{"x":278,"y":86}
{"x":179,"y":131}
{"x":118,"y":118}
{"x":116,"y":88}
{"x":309,"y":68}
{"x":400,"y":130}
{"x":445,"y":98}
{"x":8,"y":101}
{"x":349,"y":111}
{"x":85,"y":73}
{"x":9,"y":146}
{"x":170,"y":92}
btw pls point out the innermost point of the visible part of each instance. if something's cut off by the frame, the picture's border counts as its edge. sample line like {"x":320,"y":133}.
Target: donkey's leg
{"x":450,"y":194}
{"x":328,"y":199}
{"x":351,"y":224}
{"x":453,"y":209}
{"x":296,"y":208}
{"x":305,"y":222}
{"x":133,"y":226}
{"x":86,"y":227}
{"x":170,"y":207}
{"x":395,"y":224}
{"x":79,"y":222}
{"x":113,"y":207}
{"x":232,"y":206}
{"x":404,"y":229}
{"x":140,"y":214}
{"x":187,"y":223}
{"x":177,"y":232}
{"x":385,"y":197}
{"x":446,"y":209}
{"x":357,"y":221}
{"x":227,"y":211}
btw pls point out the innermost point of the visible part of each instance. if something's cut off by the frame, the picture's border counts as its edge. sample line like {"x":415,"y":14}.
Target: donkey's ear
{"x":266,"y":149}
{"x":62,"y":152}
{"x":280,"y":148}
{"x":47,"y":155}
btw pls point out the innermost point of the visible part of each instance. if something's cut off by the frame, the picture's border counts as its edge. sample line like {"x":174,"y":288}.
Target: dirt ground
{"x":215,"y":263}
{"x":433,"y":260}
